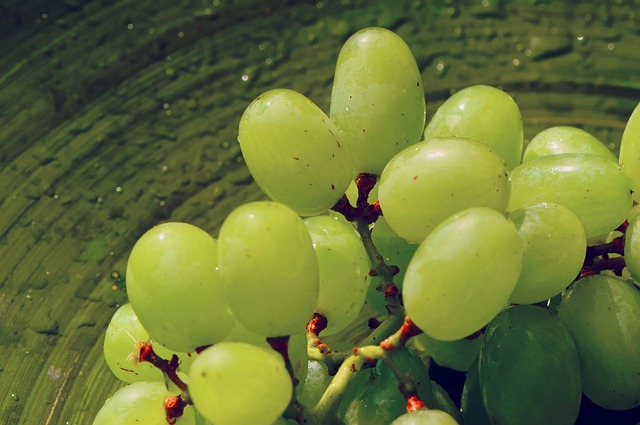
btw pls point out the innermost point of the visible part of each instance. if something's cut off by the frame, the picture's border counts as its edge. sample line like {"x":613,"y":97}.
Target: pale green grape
{"x":592,"y":187}
{"x":527,"y":354}
{"x":630,"y":151}
{"x":344,"y":269}
{"x":482,"y":113}
{"x":554,"y":250}
{"x":377,"y":100}
{"x":316,"y":382}
{"x":241,"y":334}
{"x":227,"y":376}
{"x":140,"y":403}
{"x":294,"y":152}
{"x":175,"y":288}
{"x":603,"y":315}
{"x":425,"y":417}
{"x":417,"y":190}
{"x":269,"y":268}
{"x":632,"y":247}
{"x":565,"y":139}
{"x":457,"y":355}
{"x":298,"y":355}
{"x":121,"y":340}
{"x":463,"y":273}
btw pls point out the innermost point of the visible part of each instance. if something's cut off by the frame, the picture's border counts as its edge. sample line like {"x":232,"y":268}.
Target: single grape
{"x":140,"y":403}
{"x":471,"y":404}
{"x":269,"y":268}
{"x":463,"y":273}
{"x":565,"y":139}
{"x":632,"y":247}
{"x":123,"y":335}
{"x":483,"y":113}
{"x":425,"y":417}
{"x":294,"y":152}
{"x":175,"y":289}
{"x":377,"y":100}
{"x":344,"y":269}
{"x":315,"y":384}
{"x":592,"y":187}
{"x":457,"y":355}
{"x":630,"y":151}
{"x":529,"y":356}
{"x":442,"y":401}
{"x":236,"y":383}
{"x":603,"y":315}
{"x":554,"y":251}
{"x":417,"y":190}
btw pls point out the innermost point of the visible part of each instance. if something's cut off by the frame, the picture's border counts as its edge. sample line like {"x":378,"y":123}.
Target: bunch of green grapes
{"x":515,"y":265}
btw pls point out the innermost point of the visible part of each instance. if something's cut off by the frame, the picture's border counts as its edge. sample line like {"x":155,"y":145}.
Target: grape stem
{"x":597,"y":258}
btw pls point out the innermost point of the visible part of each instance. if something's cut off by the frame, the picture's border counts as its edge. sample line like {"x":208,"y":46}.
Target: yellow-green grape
{"x":463,"y":273}
{"x":344,"y":269}
{"x":554,"y":250}
{"x":123,"y":335}
{"x":630,"y":151}
{"x":594,"y":188}
{"x":294,"y":152}
{"x":235,"y":383}
{"x":269,"y":268}
{"x":425,"y":417}
{"x":298,"y":355}
{"x":431,"y":180}
{"x":565,"y":139}
{"x":457,"y":355}
{"x":632,"y":247}
{"x":633,"y":212}
{"x":603,"y":315}
{"x":527,"y":354}
{"x":483,"y":113}
{"x":377,"y":100}
{"x":316,"y":382}
{"x":140,"y":403}
{"x":175,"y":289}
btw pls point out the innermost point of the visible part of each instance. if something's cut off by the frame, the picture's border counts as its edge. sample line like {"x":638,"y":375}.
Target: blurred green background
{"x":118,"y":115}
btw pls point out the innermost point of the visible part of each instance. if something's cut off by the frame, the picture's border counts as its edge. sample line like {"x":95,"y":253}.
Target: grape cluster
{"x":515,"y":265}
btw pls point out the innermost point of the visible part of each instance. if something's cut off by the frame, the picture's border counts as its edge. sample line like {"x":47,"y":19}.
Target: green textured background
{"x":118,"y":115}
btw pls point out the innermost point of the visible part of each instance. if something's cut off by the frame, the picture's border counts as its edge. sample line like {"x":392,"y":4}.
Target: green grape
{"x":463,"y":273}
{"x":630,"y":151}
{"x":380,"y":401}
{"x":123,"y":335}
{"x":528,"y":356}
{"x":269,"y":293}
{"x":241,"y":334}
{"x":294,"y":152}
{"x":442,"y":401}
{"x":344,"y":269}
{"x":471,"y":404}
{"x":316,"y":382}
{"x":175,"y":289}
{"x":592,"y":187}
{"x":298,"y":355}
{"x":235,"y":383}
{"x":633,"y":212}
{"x":417,"y":190}
{"x":554,"y":251}
{"x":565,"y":139}
{"x":632,"y":247}
{"x":457,"y":355}
{"x":482,"y":113}
{"x":425,"y":417}
{"x":377,"y":100}
{"x":603,"y":315}
{"x":140,"y":403}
